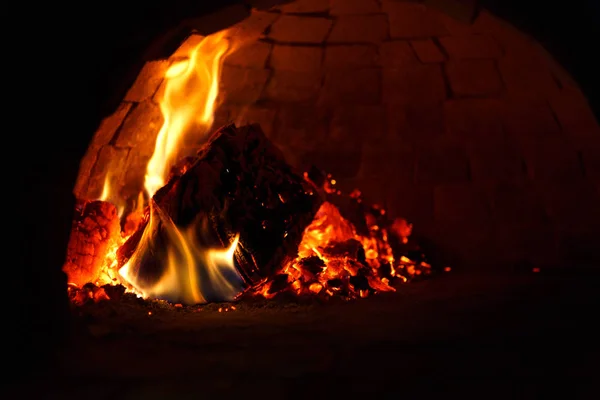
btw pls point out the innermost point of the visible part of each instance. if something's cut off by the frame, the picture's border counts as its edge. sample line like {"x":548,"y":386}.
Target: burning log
{"x":95,"y":230}
{"x":239,"y":190}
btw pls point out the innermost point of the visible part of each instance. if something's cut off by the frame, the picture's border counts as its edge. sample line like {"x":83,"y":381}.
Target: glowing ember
{"x":333,"y":259}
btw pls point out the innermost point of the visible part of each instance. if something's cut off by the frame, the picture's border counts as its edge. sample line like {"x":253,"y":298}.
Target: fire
{"x":111,"y":196}
{"x":184,"y":265}
{"x":334,"y":258}
{"x":188,"y":104}
{"x":192,"y":272}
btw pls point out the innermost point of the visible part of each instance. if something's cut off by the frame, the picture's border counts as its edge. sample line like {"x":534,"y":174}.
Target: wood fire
{"x":232,"y":219}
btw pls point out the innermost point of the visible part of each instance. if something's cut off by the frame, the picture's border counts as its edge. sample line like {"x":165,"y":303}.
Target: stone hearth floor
{"x":493,"y":336}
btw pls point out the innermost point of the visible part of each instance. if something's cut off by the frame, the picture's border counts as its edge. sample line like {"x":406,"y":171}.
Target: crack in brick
{"x":113,"y":140}
{"x":323,"y":14}
{"x":554,"y":116}
{"x":449,"y":92}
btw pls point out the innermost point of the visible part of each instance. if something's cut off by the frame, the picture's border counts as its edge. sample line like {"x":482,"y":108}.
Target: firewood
{"x":238,"y":183}
{"x":94,"y":230}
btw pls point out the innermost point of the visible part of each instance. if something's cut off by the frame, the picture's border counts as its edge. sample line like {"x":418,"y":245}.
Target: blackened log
{"x":240,"y":183}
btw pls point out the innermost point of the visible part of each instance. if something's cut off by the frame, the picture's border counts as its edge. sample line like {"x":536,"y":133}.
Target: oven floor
{"x":480,"y":336}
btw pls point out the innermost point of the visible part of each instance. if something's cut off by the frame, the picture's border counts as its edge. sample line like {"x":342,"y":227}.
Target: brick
{"x":397,"y":54}
{"x":410,"y":21}
{"x":362,"y":120}
{"x":360,"y":86}
{"x":526,"y":73}
{"x":463,"y":203}
{"x":363,"y":127}
{"x":147,"y":81}
{"x":109,"y":125}
{"x":453,"y":26}
{"x":250,"y":55}
{"x":442,"y":162}
{"x":530,"y":118}
{"x":427,"y":51}
{"x":533,"y":246}
{"x":552,"y":159}
{"x":294,"y":29}
{"x":589,"y":148}
{"x":461,"y":245}
{"x":517,"y":204}
{"x":104,"y":134}
{"x":264,"y":116}
{"x":242,"y":85}
{"x":475,"y":120}
{"x":253,"y":26}
{"x":497,"y":161}
{"x":573,"y":205}
{"x":410,"y":201}
{"x":110,"y":160}
{"x":141,"y":127}
{"x":341,"y":7}
{"x":301,"y":127}
{"x":135,"y":172}
{"x":296,"y":58}
{"x":388,"y":157}
{"x":574,"y":113}
{"x":416,"y":123}
{"x":474,"y":78}
{"x":305,"y":6}
{"x":292,"y":86}
{"x":464,"y":11}
{"x":341,"y":158}
{"x":225,"y":114}
{"x":472,"y":46}
{"x":188,"y":45}
{"x":359,"y":29}
{"x":353,"y":56}
{"x":419,"y":84}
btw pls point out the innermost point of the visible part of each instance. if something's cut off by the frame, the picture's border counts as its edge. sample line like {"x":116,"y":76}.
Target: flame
{"x":111,"y":196}
{"x":194,"y":274}
{"x":188,"y":104}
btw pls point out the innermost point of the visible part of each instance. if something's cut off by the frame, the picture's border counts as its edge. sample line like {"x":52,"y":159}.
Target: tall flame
{"x":188,"y":104}
{"x":173,"y":262}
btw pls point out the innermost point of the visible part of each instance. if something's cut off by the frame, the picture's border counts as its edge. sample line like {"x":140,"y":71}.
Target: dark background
{"x":88,"y":59}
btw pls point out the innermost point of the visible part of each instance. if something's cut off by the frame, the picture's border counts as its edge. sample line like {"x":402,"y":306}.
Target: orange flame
{"x":188,"y":105}
{"x":194,"y":274}
{"x":109,"y":195}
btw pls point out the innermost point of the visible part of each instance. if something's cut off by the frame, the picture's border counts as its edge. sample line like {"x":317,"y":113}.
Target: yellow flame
{"x":193,"y":273}
{"x":109,"y":195}
{"x":188,"y":105}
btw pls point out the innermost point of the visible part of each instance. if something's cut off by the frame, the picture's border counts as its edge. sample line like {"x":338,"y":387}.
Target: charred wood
{"x":238,"y":183}
{"x":94,"y":230}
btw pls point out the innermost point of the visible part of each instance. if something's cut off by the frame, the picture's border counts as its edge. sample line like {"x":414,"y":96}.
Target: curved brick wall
{"x":471,"y":131}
